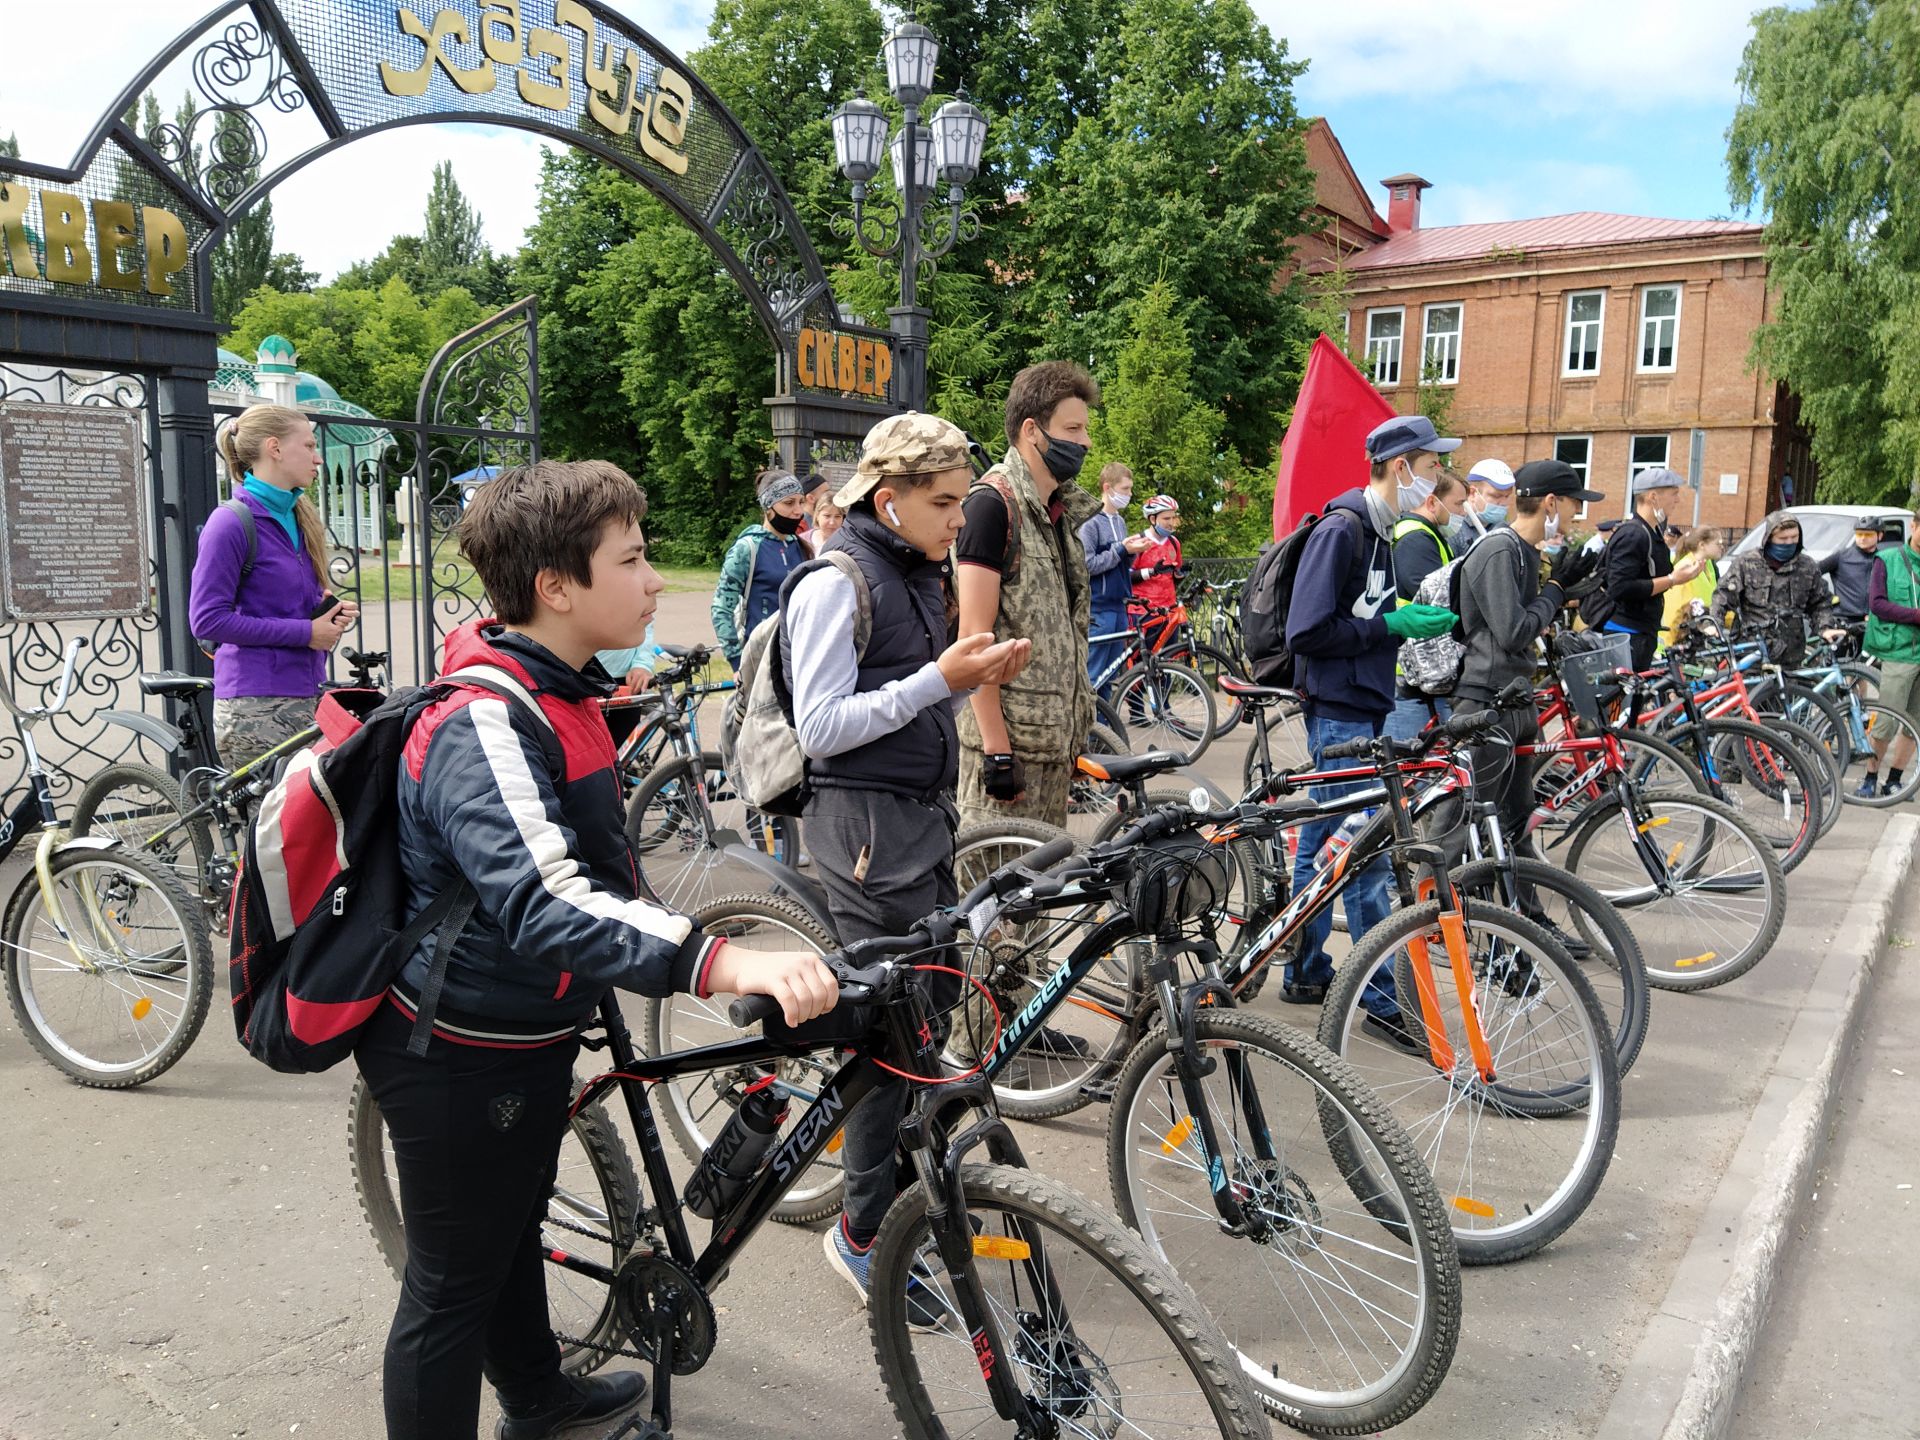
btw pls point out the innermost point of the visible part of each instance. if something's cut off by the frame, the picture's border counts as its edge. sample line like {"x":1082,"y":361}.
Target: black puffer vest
{"x":912,"y":624}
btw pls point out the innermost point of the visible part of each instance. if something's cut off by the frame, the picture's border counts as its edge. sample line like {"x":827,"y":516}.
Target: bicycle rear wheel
{"x":1212,"y":666}
{"x":147,"y":812}
{"x":591,"y":1215}
{"x":1703,"y":892}
{"x":1517,"y":1158}
{"x":1102,"y":1337}
{"x":1166,"y":707}
{"x":674,"y":823}
{"x":698,"y":1106}
{"x":115,"y":995}
{"x":1769,"y":780}
{"x":1339,"y":1327}
{"x":1885,"y":735}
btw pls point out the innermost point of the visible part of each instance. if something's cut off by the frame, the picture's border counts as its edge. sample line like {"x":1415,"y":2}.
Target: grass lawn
{"x":378,"y":583}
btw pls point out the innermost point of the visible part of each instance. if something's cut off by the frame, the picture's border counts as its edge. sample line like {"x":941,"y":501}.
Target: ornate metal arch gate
{"x":105,"y":261}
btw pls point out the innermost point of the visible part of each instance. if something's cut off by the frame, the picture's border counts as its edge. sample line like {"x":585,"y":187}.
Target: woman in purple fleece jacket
{"x":272,"y":638}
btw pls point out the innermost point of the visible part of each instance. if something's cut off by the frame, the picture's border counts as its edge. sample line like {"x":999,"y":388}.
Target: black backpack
{"x":317,"y":931}
{"x":1265,"y":603}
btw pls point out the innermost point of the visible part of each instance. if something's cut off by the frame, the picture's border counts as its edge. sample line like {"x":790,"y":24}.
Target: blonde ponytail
{"x":240,"y":446}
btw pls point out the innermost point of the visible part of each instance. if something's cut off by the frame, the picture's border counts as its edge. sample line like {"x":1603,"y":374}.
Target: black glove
{"x":1574,"y":565}
{"x":1003,"y":777}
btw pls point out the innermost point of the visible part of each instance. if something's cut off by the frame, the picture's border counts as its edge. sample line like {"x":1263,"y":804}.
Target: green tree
{"x":450,"y":245}
{"x":1193,"y":170}
{"x":10,"y":147}
{"x":1826,"y":143}
{"x":1153,"y":422}
{"x":244,"y":258}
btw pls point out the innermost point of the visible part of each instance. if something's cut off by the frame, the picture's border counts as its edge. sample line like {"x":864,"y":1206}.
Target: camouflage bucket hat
{"x":909,"y":444}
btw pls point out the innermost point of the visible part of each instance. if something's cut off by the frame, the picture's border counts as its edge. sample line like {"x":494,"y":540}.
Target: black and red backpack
{"x":318,"y":931}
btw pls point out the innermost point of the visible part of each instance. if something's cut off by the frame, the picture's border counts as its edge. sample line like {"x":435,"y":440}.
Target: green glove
{"x":1420,"y":622}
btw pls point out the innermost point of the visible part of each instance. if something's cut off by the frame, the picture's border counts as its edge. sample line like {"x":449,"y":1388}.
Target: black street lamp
{"x":919,"y":227}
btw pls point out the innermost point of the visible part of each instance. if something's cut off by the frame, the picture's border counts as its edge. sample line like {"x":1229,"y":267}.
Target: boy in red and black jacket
{"x":524,"y":802}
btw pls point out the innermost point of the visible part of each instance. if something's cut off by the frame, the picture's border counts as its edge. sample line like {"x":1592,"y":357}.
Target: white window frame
{"x":1635,"y":467}
{"x":1399,"y":343}
{"x":1599,"y":334}
{"x":1673,"y":343}
{"x":1585,"y":467}
{"x":1428,"y":336}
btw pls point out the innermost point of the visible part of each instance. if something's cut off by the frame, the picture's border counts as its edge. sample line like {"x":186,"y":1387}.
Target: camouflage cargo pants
{"x":1048,"y":786}
{"x":247,"y":726}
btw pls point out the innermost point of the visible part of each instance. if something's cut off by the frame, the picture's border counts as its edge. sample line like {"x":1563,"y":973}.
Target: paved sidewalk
{"x":1836,"y":1355}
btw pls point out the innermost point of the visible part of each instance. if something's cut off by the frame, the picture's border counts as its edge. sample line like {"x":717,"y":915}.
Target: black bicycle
{"x":1001,"y":1302}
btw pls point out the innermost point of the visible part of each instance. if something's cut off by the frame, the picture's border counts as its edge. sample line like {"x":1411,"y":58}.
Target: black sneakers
{"x":578,"y":1402}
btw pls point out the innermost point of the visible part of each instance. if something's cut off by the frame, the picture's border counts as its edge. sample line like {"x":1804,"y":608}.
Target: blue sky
{"x":1512,"y":108}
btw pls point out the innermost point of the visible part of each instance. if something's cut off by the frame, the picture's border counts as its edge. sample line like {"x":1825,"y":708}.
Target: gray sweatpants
{"x":886,"y":861}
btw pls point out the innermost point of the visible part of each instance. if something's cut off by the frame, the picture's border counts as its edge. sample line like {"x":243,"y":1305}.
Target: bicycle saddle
{"x":1253,"y":694}
{"x":1125,"y":769}
{"x":171,"y":682}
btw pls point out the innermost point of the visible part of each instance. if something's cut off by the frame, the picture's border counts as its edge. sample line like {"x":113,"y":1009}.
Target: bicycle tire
{"x":1646,"y":755}
{"x":1040,"y":1221}
{"x":680,"y":866}
{"x":1614,"y":966}
{"x":1876,"y":716}
{"x":1211,"y":664}
{"x":685,"y":1113}
{"x":159,"y":822}
{"x":1804,"y":706}
{"x":1161,"y":1191}
{"x":1671,"y":920}
{"x":163,"y":952}
{"x":608,"y":1228}
{"x":1763,"y":765}
{"x":1532,"y":1194}
{"x":1181,"y":720}
{"x":1831,"y":789}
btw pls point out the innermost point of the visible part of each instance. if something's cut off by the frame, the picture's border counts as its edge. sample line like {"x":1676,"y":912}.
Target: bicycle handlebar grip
{"x":751,"y":1009}
{"x":1348,"y":750}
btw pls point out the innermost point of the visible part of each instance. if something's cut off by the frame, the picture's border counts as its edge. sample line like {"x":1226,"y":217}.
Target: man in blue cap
{"x":1345,"y":632}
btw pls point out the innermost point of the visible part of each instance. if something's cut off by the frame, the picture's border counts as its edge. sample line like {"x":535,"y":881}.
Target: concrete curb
{"x":1684,"y":1380}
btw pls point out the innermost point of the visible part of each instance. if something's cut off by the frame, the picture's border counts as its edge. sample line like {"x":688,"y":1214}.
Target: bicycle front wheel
{"x":698,"y":1106}
{"x":1213,"y":666}
{"x":1166,"y":707}
{"x":1340,"y":1328}
{"x":1702,"y":890}
{"x":1774,"y":785}
{"x":1517,"y":1155}
{"x":1888,"y":738}
{"x":674,"y":829}
{"x":114,"y":995}
{"x":590,"y":1217}
{"x":1101,"y":1337}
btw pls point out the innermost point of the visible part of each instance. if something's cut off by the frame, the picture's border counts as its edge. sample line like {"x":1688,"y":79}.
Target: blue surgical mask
{"x":1494,"y":515}
{"x":1162,"y":531}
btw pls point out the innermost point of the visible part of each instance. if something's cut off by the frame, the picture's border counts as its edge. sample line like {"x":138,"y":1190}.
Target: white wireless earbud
{"x":892,"y":514}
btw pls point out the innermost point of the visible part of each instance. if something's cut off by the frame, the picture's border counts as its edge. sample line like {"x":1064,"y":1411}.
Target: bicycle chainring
{"x":648,"y":1283}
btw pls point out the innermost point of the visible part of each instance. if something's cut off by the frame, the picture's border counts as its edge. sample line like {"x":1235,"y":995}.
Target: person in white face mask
{"x":1110,"y":550}
{"x":1489,"y":501}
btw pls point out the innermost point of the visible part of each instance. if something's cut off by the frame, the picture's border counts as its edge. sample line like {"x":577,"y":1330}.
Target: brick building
{"x":1616,"y":342}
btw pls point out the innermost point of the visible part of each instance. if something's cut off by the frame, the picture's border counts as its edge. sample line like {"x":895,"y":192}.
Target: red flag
{"x":1324,"y":452}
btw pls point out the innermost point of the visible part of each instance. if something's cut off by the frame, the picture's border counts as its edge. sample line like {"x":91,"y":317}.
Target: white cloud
{"x":1563,"y":55}
{"x":345,"y":206}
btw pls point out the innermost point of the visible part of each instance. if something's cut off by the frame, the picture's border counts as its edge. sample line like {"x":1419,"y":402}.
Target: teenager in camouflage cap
{"x":909,"y":444}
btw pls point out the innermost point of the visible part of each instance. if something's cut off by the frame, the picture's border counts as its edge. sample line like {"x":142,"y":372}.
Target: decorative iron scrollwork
{"x":235,"y":73}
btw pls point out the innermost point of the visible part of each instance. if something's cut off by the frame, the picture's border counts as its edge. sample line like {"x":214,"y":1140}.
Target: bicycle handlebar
{"x":860,"y":983}
{"x":74,"y":647}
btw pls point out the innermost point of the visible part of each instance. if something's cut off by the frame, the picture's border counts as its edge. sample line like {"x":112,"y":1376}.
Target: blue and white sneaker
{"x":924,"y":1308}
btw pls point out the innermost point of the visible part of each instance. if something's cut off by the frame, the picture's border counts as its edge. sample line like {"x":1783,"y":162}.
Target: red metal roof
{"x":1552,"y":232}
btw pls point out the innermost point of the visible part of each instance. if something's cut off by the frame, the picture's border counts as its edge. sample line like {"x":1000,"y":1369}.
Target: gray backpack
{"x":759,"y":748}
{"x":1433,"y":666}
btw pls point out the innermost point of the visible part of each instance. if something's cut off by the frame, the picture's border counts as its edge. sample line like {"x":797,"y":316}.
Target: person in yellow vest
{"x":1424,"y":539}
{"x":1709,"y":544}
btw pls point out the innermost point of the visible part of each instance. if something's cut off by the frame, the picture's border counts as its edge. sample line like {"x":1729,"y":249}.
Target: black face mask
{"x":784,"y":525}
{"x":1064,"y":458}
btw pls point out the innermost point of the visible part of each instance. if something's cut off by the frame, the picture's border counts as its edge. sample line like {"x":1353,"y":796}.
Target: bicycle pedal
{"x":1099,"y":1091}
{"x":638,"y":1427}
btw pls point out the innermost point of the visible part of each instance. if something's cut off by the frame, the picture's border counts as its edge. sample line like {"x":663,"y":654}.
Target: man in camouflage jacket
{"x":1776,"y":588}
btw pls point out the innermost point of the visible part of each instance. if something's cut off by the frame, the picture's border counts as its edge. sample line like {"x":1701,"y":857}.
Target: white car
{"x":1825,"y":528}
